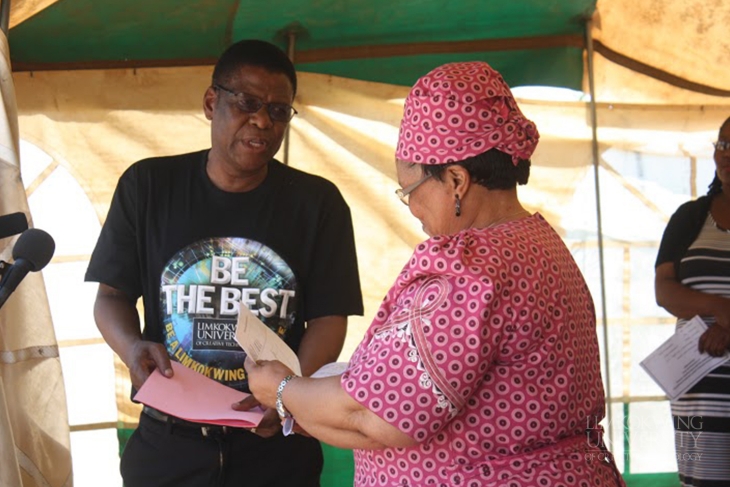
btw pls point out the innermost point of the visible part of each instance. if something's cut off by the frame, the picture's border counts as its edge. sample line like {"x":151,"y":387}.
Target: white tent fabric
{"x":34,"y":432}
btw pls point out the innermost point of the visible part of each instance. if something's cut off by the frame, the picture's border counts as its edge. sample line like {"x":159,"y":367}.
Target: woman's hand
{"x":721,"y":311}
{"x":264,"y":378}
{"x":715,"y":341}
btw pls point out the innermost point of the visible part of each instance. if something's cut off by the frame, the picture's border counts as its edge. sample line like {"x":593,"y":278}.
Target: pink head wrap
{"x":461,"y":110}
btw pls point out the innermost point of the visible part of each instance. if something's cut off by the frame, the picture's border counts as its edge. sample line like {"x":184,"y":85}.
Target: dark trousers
{"x":161,"y":454}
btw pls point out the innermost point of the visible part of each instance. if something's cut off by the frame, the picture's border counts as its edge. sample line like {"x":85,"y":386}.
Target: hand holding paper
{"x":261,"y":343}
{"x":194,"y":397}
{"x":677,"y":364}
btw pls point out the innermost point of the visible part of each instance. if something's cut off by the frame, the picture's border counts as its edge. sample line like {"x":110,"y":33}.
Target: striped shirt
{"x":701,"y":417}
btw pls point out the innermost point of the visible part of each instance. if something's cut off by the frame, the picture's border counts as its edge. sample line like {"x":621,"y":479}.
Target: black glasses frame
{"x":248,"y":103}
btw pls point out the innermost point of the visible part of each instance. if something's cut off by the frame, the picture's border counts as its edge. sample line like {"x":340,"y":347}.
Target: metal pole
{"x":599,"y":224}
{"x":5,"y":16}
{"x":292,"y":37}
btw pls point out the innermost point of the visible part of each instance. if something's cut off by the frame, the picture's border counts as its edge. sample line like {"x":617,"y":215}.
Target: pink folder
{"x":194,"y":397}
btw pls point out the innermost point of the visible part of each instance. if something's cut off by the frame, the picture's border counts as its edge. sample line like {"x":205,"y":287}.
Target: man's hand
{"x":715,"y":341}
{"x":270,"y":423}
{"x":143,"y":358}
{"x":118,"y":321}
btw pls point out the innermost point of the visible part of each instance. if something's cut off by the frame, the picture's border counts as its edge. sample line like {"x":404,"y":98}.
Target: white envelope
{"x":261,"y":343}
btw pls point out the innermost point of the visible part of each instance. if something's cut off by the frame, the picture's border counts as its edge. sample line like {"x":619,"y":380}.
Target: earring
{"x":458,"y":206}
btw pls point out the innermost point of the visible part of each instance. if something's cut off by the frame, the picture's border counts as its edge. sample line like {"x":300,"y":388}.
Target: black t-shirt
{"x":193,"y":252}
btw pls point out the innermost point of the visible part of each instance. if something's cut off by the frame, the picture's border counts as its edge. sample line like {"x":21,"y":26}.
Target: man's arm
{"x":322,"y":342}
{"x":117,"y":319}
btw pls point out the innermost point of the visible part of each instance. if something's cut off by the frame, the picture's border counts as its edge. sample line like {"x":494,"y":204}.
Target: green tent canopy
{"x":531,"y":42}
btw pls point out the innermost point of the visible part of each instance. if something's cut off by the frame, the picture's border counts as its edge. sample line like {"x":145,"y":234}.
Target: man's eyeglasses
{"x":722,"y":145}
{"x":278,"y":112}
{"x":403,"y":193}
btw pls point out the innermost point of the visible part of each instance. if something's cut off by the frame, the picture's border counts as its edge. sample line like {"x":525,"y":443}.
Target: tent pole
{"x":596,"y":167}
{"x":291,"y":37}
{"x":5,"y":16}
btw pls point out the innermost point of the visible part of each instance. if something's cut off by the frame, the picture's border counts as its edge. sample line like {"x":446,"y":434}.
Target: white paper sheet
{"x":261,"y":343}
{"x":330,"y":369}
{"x":677,"y":364}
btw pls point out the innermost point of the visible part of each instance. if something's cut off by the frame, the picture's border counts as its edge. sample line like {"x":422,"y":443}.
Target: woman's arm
{"x":684,"y":302}
{"x":323,"y":409}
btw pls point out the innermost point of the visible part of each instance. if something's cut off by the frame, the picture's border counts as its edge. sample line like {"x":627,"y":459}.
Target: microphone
{"x":32,"y":252}
{"x":13,"y":224}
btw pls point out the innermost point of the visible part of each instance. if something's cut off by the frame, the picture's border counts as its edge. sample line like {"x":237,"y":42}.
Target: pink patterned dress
{"x":485,"y":352}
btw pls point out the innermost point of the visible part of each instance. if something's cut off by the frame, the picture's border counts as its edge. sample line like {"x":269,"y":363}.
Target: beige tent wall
{"x":685,"y":39}
{"x":94,"y":124}
{"x":34,"y":433}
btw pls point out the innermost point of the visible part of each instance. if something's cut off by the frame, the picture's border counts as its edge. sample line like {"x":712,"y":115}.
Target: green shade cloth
{"x":169,"y":32}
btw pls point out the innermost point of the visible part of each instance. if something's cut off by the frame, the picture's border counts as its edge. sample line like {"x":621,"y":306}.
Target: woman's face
{"x":430,"y":202}
{"x":722,"y":157}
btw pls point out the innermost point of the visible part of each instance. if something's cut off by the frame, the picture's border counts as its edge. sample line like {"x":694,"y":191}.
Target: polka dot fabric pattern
{"x":484,"y":350}
{"x":461,"y":110}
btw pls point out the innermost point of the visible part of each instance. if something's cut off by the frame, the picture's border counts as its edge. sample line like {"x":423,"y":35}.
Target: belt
{"x":203,"y":429}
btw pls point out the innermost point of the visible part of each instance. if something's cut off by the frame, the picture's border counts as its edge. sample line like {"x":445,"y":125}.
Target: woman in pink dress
{"x":481,"y":367}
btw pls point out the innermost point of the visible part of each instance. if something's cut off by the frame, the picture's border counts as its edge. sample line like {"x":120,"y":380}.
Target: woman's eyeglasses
{"x":278,"y":112}
{"x":403,"y":193}
{"x":722,"y":145}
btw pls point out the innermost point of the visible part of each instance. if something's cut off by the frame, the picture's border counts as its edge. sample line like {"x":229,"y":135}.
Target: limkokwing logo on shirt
{"x":201,"y":287}
{"x":213,"y":334}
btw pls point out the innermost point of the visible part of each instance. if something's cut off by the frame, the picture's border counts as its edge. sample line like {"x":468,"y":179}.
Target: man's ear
{"x":210,"y":98}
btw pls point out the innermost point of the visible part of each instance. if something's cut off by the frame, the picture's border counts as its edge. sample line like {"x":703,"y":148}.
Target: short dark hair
{"x":715,"y":186}
{"x":254,"y":52}
{"x":492,"y":169}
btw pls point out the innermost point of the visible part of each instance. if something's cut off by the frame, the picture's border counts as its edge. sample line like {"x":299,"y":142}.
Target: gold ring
{"x":253,"y":430}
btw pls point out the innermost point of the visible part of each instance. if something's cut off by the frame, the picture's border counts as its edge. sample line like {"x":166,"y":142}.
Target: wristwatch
{"x":283,"y":413}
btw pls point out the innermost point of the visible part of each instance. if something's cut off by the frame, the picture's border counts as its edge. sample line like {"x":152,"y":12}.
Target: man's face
{"x":243,"y":143}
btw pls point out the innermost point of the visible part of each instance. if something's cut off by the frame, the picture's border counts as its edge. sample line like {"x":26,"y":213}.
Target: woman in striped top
{"x":693,"y":278}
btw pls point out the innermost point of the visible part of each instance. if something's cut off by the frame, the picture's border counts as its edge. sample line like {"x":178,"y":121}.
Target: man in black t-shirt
{"x":196,"y":234}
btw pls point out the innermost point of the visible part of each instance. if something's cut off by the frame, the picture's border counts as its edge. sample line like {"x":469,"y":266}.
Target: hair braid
{"x":715,"y":187}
